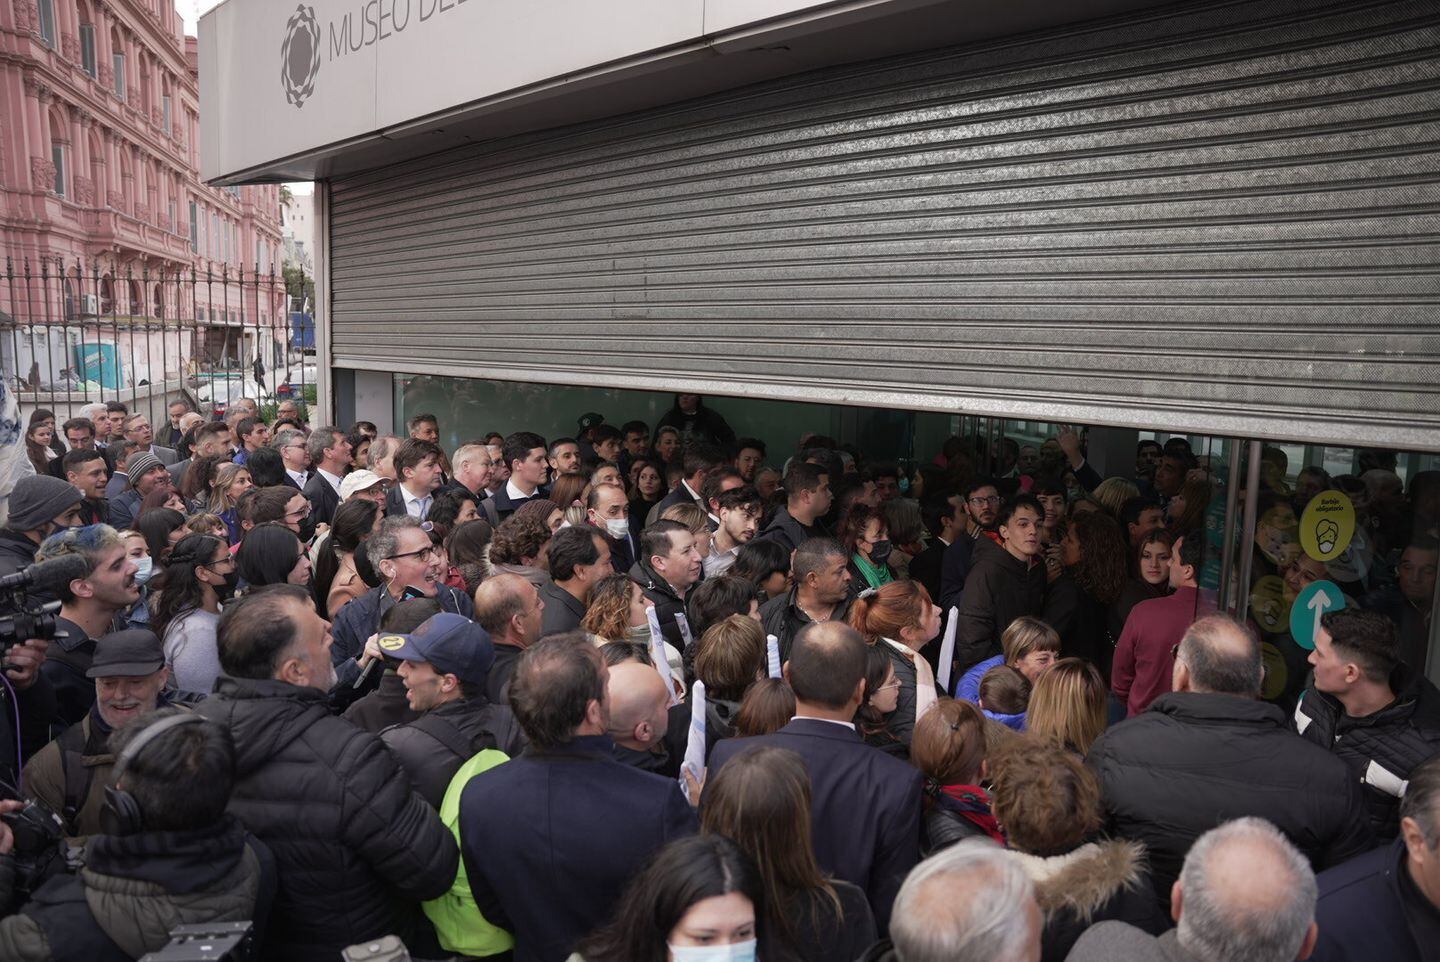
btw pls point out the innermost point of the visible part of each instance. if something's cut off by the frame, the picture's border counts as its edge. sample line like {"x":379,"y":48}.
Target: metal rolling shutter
{"x":1220,"y":218}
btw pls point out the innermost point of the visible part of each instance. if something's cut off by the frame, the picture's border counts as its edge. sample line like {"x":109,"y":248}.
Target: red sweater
{"x":1143,"y":663}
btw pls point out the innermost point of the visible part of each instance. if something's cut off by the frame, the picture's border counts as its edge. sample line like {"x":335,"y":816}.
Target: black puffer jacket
{"x":434,"y":746}
{"x":350,"y":837}
{"x":999,"y":589}
{"x":667,"y":603}
{"x":1191,"y":761}
{"x":1380,"y":749}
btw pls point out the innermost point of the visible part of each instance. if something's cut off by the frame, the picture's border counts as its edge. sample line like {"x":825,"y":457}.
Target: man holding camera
{"x":168,"y":857}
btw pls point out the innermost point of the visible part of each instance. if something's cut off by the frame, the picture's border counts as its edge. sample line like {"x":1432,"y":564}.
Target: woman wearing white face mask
{"x":136,"y":550}
{"x":699,"y":900}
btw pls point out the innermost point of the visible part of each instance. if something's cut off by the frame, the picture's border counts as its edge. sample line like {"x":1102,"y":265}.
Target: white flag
{"x":657,"y":654}
{"x":684,"y":629}
{"x":695,"y":748}
{"x":947,"y":649}
{"x":772,"y":652}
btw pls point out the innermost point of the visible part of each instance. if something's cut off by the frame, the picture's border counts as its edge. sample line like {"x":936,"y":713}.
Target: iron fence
{"x":75,"y":333}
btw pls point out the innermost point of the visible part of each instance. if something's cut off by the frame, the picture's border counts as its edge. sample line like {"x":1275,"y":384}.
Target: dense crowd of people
{"x":660,"y":694}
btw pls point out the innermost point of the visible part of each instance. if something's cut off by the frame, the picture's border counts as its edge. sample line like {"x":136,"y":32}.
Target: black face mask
{"x":307,"y":530}
{"x":226,"y":591}
{"x":879,"y":551}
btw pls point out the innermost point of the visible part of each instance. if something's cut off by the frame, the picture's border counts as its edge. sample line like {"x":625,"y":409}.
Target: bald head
{"x":1220,"y":656}
{"x":1245,"y":893}
{"x":972,"y":902}
{"x":827,"y":666}
{"x":505,"y":606}
{"x":639,"y":705}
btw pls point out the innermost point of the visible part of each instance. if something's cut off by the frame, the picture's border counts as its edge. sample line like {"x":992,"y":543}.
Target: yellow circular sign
{"x":1269,"y":605}
{"x":390,"y":642}
{"x":1327,"y":525}
{"x":1277,"y":673}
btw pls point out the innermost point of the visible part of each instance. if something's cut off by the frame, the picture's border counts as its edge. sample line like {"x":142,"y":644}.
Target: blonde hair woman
{"x":1067,"y":704}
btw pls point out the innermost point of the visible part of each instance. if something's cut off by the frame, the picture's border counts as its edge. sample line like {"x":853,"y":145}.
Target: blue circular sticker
{"x":1310,"y":604}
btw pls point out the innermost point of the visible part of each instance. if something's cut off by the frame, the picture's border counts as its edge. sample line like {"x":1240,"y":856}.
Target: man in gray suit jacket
{"x":137,"y":428}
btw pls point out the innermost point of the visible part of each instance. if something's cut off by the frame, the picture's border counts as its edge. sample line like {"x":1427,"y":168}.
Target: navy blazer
{"x":552,"y":838}
{"x":865,"y":805}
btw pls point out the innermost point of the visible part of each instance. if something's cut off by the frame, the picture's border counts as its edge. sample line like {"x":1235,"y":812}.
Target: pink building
{"x":99,"y":172}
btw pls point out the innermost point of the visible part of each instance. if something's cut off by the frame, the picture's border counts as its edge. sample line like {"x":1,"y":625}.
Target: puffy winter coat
{"x":135,"y":889}
{"x":1193,"y":760}
{"x":999,"y":589}
{"x":434,"y":746}
{"x":1094,"y":883}
{"x":349,"y":835}
{"x":1380,"y":749}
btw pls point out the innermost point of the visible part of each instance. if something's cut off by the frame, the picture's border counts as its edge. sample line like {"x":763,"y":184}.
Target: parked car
{"x":297,"y":380}
{"x":217,"y":390}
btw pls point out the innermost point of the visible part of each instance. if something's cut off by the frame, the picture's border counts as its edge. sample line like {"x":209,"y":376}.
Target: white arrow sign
{"x":1319,"y":603}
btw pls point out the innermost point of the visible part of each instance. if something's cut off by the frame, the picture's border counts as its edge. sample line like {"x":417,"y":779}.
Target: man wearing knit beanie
{"x":39,"y":506}
{"x":146,"y":472}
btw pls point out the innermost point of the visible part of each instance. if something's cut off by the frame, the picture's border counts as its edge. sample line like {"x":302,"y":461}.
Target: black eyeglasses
{"x":425,"y":554}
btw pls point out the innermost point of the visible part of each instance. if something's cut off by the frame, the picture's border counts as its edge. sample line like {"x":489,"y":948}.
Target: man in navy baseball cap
{"x":445,"y":664}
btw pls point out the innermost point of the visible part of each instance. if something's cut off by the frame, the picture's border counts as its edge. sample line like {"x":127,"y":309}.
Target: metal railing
{"x":74,"y":333}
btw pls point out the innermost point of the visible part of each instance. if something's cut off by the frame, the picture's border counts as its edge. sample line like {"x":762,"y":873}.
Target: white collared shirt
{"x":416,"y":507}
{"x":719,"y":562}
{"x":333,"y":479}
{"x":515,"y":494}
{"x":691,"y":491}
{"x":832,"y":721}
{"x":299,"y":477}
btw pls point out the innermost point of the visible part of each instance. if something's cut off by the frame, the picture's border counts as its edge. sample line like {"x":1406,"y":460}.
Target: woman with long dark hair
{"x":760,"y":800}
{"x":882,"y":694}
{"x":337,"y":580}
{"x":1152,"y":561}
{"x":272,"y":554}
{"x":766,"y":565}
{"x":1093,"y":553}
{"x":195,"y":485}
{"x":466,"y":546}
{"x":162,"y":498}
{"x":37,"y":442}
{"x":866,"y":540}
{"x":162,"y":529}
{"x":196,"y":580}
{"x":648,"y":491}
{"x":704,"y":877}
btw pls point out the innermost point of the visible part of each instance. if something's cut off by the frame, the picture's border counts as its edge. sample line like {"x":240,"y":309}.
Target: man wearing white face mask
{"x":607,"y":509}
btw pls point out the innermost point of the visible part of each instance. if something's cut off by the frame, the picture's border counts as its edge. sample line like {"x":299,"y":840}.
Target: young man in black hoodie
{"x":1006,"y":581}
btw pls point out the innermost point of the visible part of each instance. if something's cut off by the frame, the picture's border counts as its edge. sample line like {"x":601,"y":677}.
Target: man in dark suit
{"x":698,"y":462}
{"x":417,"y":473}
{"x":551,"y":838}
{"x":330,"y":454}
{"x":119,"y":482}
{"x":944,"y":519}
{"x":865,"y":814}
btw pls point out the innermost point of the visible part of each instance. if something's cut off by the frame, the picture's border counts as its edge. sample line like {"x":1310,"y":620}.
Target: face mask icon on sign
{"x":1327,"y":532}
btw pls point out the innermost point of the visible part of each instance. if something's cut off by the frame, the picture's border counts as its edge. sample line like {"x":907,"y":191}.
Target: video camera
{"x":210,"y":942}
{"x":21,"y":618}
{"x":41,"y":849}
